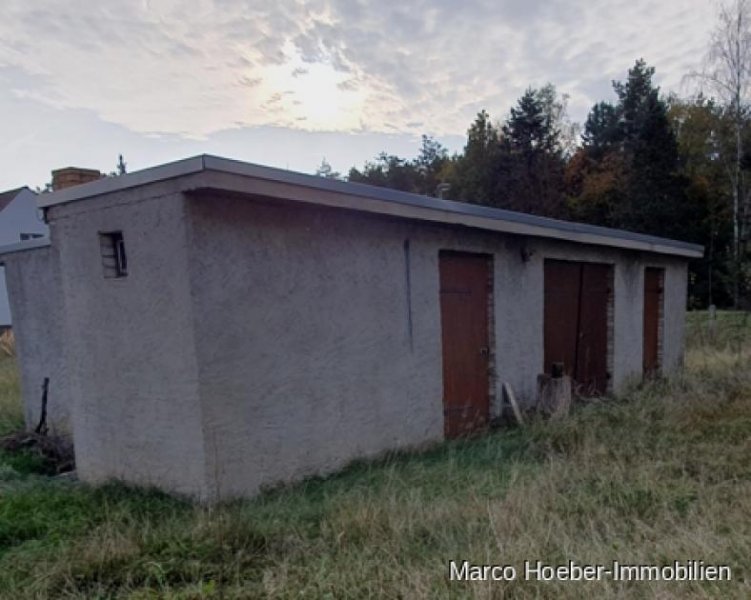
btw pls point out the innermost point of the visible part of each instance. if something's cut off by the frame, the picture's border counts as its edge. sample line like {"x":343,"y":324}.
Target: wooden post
{"x":41,"y":428}
{"x":554,"y":395}
{"x":511,"y":399}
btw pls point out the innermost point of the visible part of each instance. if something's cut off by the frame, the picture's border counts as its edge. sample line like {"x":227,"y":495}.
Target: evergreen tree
{"x":419,"y":176}
{"x":431,"y":166}
{"x":389,"y":171}
{"x":600,"y":129}
{"x":530,"y":168}
{"x":528,"y":128}
{"x":326,"y":171}
{"x":475,"y":170}
{"x":634,"y":137}
{"x":655,"y":196}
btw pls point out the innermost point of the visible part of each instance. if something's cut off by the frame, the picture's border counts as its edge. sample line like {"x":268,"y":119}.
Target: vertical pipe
{"x":408,"y":287}
{"x":575,"y":370}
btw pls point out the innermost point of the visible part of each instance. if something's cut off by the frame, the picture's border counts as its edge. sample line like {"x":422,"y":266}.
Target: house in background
{"x":20,"y":220}
{"x":212,"y":327}
{"x":37,"y":292}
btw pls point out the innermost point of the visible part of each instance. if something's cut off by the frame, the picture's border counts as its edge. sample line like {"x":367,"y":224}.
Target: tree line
{"x":643,"y":161}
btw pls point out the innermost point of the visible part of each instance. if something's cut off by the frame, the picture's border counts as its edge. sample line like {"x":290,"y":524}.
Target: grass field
{"x":661,"y":474}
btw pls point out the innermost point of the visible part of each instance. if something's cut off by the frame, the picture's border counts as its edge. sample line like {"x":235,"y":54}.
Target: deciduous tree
{"x":727,"y":72}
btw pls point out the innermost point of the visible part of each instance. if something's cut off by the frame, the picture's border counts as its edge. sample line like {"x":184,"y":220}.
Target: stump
{"x":554,"y":395}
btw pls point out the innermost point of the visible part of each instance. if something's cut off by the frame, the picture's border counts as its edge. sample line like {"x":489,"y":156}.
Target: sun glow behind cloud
{"x":314,"y":96}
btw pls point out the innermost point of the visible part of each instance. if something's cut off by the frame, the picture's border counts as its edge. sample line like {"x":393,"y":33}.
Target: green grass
{"x":731,"y":331}
{"x":661,"y":474}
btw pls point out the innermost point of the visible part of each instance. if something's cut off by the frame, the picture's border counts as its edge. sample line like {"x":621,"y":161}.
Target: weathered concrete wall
{"x":255,"y":342}
{"x":130,"y":359}
{"x":305,"y":355}
{"x":33,"y":279}
{"x":674,"y":324}
{"x":303,"y":345}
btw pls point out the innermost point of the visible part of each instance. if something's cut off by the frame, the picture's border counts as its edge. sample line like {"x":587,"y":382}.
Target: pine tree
{"x":634,"y":139}
{"x":326,"y":171}
{"x":600,"y":129}
{"x":474,"y":179}
{"x":530,"y":169}
{"x":655,"y":198}
{"x":430,"y":166}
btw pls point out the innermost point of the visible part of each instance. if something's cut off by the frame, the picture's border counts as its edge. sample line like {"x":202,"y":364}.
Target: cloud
{"x":202,"y":66}
{"x":38,"y":138}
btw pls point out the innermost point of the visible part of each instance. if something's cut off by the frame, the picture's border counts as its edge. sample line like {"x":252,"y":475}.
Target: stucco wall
{"x":130,"y":358}
{"x":303,"y":344}
{"x":303,"y":332}
{"x":255,"y":342}
{"x":674,"y":324}
{"x":33,"y":278}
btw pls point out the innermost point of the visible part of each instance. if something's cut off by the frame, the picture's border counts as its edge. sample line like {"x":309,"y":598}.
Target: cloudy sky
{"x":288,"y":82}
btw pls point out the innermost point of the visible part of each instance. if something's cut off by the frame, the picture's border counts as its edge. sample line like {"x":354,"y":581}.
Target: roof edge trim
{"x":443,"y":210}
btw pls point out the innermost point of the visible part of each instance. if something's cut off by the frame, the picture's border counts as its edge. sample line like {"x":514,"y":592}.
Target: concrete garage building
{"x":215,"y":326}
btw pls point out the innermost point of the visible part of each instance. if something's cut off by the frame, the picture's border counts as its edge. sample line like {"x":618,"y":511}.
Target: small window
{"x":30,"y":236}
{"x":114,"y":260}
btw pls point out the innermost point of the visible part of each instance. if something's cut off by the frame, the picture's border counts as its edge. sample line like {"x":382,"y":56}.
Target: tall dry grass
{"x":7,"y":343}
{"x":660,"y":474}
{"x":11,"y":410}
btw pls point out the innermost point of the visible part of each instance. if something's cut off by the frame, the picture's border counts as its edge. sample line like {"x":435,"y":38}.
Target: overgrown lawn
{"x":661,"y":474}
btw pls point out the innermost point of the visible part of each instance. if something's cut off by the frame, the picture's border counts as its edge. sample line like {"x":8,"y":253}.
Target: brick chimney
{"x":70,"y":176}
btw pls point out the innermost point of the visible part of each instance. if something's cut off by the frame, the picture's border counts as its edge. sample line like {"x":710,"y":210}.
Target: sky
{"x":288,"y":83}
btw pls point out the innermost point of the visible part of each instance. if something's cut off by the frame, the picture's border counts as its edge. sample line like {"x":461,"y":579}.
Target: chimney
{"x":70,"y":176}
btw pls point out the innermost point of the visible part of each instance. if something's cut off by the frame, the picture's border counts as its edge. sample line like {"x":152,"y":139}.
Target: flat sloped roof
{"x":260,"y":180}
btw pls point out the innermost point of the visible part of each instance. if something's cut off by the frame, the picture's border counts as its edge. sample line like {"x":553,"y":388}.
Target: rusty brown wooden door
{"x":561,"y":320}
{"x":464,"y":294}
{"x":652,"y":304}
{"x":577,"y":297}
{"x":592,"y":350}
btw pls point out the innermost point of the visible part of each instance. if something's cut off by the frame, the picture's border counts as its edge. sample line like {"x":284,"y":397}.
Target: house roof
{"x":207,"y":172}
{"x":10,"y":195}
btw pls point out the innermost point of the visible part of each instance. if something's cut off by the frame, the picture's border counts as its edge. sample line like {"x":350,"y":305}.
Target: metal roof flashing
{"x":382,"y":200}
